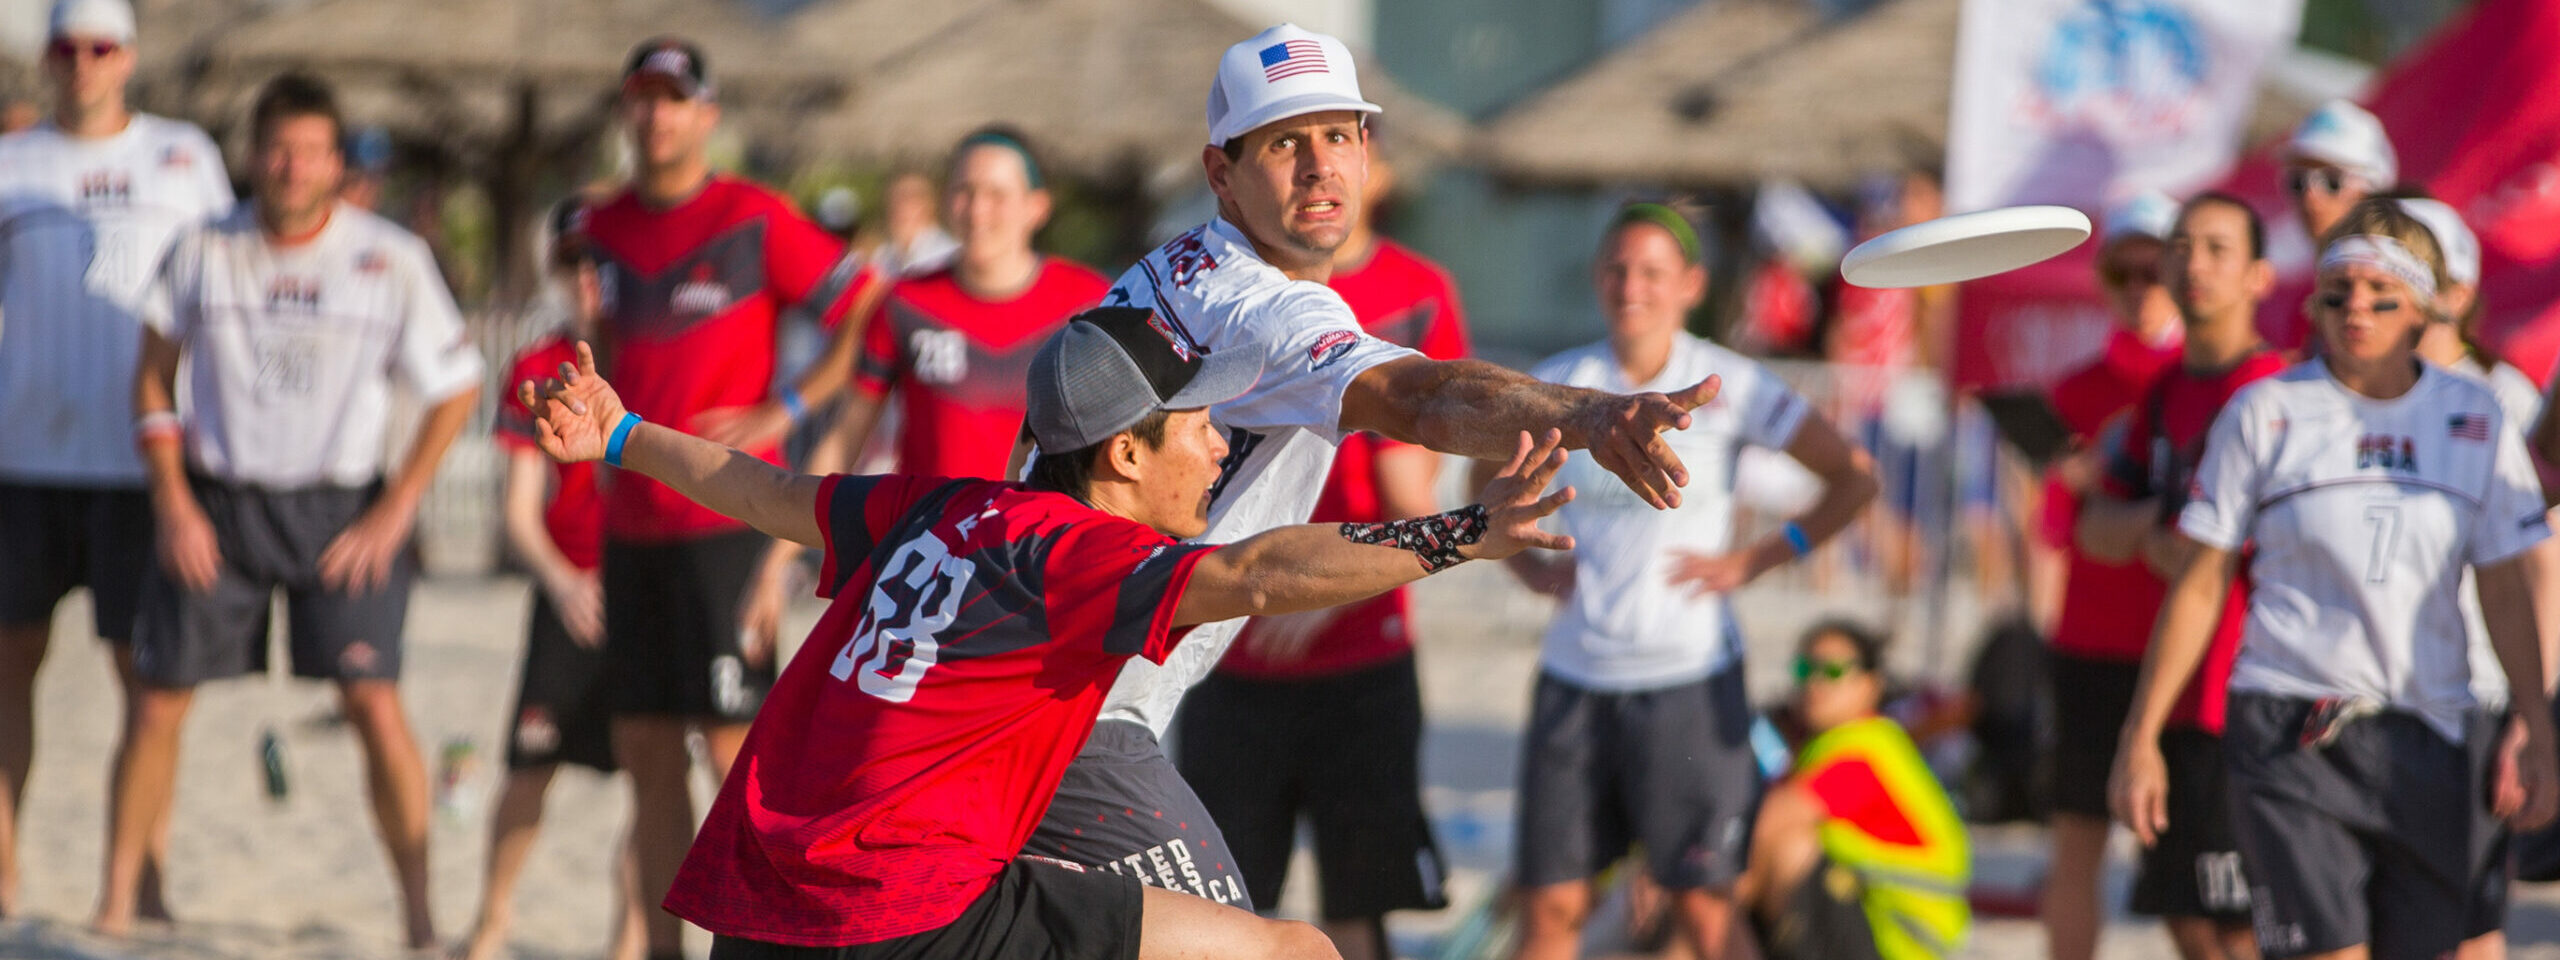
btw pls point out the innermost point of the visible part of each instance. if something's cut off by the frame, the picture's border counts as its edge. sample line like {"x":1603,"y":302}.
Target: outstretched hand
{"x":1512,"y":504}
{"x":1625,"y":437}
{"x":574,"y":413}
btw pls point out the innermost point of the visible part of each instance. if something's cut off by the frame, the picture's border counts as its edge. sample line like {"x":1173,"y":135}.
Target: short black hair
{"x":1071,"y":473}
{"x":1869,"y":643}
{"x":296,"y":95}
{"x":1005,"y":136}
{"x":2257,"y":224}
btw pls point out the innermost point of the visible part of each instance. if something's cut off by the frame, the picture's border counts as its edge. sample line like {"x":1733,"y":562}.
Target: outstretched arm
{"x":1474,"y":409}
{"x":2138,"y":791}
{"x":1321,"y":565}
{"x":575,"y":418}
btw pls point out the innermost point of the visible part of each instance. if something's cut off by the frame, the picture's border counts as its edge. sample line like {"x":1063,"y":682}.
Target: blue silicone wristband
{"x":793,"y":405}
{"x":1796,"y":539}
{"x":621,"y":433}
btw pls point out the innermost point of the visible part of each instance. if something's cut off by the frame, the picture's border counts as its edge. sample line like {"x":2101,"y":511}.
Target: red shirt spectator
{"x":2099,"y":600}
{"x":960,"y":363}
{"x":574,"y":516}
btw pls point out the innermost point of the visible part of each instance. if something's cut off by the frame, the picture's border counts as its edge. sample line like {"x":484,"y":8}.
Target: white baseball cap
{"x":2350,"y":138}
{"x":2147,"y":213}
{"x":112,"y":19}
{"x":1286,"y":71}
{"x":2461,"y":247}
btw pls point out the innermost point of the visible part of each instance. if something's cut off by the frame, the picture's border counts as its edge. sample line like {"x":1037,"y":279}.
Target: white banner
{"x":2079,"y":102}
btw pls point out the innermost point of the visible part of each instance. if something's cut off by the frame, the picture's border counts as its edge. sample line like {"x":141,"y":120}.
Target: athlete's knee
{"x":160,"y":710}
{"x":1559,"y":906}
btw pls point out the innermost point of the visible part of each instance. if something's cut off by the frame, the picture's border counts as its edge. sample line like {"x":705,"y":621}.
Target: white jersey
{"x":1211,"y":290}
{"x":2522,"y":402}
{"x":291,"y":352}
{"x":2364,"y":513}
{"x":83,"y":223}
{"x":1626,"y":626}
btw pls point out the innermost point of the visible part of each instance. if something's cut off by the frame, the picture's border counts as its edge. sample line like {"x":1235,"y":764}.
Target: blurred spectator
{"x":1885,"y":335}
{"x":1638,"y":732}
{"x":19,"y":113}
{"x":1319,"y":714}
{"x":88,"y":205}
{"x":2338,"y":156}
{"x":697,"y":270}
{"x":2216,"y":270}
{"x":1796,"y":238}
{"x":840,"y":212}
{"x":295,"y":318}
{"x":1857,"y":853}
{"x":912,"y":242}
{"x":2100,"y":634}
{"x":368,"y":162}
{"x":555,"y":524}
{"x":955,"y":343}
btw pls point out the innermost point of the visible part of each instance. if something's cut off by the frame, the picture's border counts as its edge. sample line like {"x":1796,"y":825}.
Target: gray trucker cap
{"x":1112,"y":366}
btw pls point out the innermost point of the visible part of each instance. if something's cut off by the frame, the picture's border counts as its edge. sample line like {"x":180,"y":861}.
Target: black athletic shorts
{"x":1670,"y":769}
{"x":1121,"y":807}
{"x":55,"y":538}
{"x":270,"y":540}
{"x":2194,"y":870}
{"x":2090,"y":700}
{"x":1825,"y":919}
{"x":1345,"y":752}
{"x":560,"y":715}
{"x":671,"y":627}
{"x":2367,"y":840}
{"x":1038,"y":909}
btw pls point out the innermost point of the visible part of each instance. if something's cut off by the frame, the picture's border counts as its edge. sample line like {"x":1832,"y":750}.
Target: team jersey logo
{"x":1181,"y":344}
{"x":293,"y":294}
{"x":1188,"y":257}
{"x":106,"y":187}
{"x":2468,"y":426}
{"x":371,"y":262}
{"x":702,"y":295}
{"x":1330,"y":348}
{"x":2388,"y":452}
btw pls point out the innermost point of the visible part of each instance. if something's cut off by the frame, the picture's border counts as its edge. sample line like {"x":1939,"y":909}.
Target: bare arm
{"x":185,"y":539}
{"x":1408,"y":477}
{"x":2112,"y":530}
{"x":2139,"y":789}
{"x":1848,"y":485}
{"x":2507,"y":606}
{"x":1473,"y":409}
{"x":576,"y":416}
{"x":577,"y":596}
{"x":1314,"y":565}
{"x":757,"y":423}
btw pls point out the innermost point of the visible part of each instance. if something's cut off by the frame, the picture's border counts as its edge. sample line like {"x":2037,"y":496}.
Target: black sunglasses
{"x":2330,"y":180}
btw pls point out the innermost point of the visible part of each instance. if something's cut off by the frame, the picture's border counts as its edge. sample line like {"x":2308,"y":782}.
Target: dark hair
{"x":2257,"y":224}
{"x":1001,"y":135}
{"x":296,"y":95}
{"x":1071,"y":473}
{"x":1869,"y":643}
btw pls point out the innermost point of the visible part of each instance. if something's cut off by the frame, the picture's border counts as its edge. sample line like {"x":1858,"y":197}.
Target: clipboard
{"x":2028,"y":421}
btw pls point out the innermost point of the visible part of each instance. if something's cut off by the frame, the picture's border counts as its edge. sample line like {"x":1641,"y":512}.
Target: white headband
{"x":2384,"y":254}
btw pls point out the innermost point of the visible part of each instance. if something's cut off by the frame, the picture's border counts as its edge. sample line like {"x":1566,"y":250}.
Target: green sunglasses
{"x":1808,"y":668}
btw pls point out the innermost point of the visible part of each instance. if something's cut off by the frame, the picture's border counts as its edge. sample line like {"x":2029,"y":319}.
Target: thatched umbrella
{"x":1728,"y":95}
{"x":1111,"y":89}
{"x":507,"y":90}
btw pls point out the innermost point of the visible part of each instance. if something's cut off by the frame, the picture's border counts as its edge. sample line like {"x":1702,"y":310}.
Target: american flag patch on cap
{"x":1284,"y":60}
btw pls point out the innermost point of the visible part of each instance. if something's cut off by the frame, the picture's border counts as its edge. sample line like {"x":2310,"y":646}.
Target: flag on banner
{"x":2474,"y":113}
{"x":2078,"y":102}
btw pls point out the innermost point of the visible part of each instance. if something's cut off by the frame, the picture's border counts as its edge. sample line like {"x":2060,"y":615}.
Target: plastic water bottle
{"x":458,"y":763}
{"x":271,"y":760}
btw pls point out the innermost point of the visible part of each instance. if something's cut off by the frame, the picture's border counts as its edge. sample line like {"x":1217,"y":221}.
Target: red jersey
{"x":574,"y":517}
{"x":692,"y":298}
{"x":962,"y":363}
{"x":2099,"y":599}
{"x":2163,"y":447}
{"x":907,"y":752}
{"x":1403,"y":298}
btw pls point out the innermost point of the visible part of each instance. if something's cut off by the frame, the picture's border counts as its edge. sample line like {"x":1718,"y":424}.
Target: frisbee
{"x":1964,"y":247}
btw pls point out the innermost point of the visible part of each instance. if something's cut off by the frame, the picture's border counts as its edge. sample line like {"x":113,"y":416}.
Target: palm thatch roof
{"x":1107,"y":87}
{"x":1741,"y":90}
{"x":430,"y":68}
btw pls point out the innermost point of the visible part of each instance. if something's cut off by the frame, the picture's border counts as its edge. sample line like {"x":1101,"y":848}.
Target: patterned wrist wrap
{"x":1435,"y":539}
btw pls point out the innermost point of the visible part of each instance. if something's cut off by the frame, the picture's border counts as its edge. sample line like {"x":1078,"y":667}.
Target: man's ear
{"x":1120,"y":458}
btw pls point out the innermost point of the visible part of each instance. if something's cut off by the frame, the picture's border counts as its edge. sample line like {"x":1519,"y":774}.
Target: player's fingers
{"x":1627,"y":460}
{"x":1520,"y":455}
{"x":586,"y":358}
{"x":1658,"y":450}
{"x":1698,"y":394}
{"x":1554,"y":501}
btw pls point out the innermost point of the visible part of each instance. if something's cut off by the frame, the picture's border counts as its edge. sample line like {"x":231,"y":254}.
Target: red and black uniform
{"x":1335,"y":734}
{"x":959,"y":363}
{"x":908,"y":751}
{"x":693,"y":296}
{"x":560,"y":715}
{"x":2194,"y":869}
{"x":2104,"y":626}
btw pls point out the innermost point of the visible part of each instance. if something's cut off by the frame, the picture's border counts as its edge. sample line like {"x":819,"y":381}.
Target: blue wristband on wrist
{"x":1797,"y":540}
{"x":621,"y":433}
{"x":793,"y":405}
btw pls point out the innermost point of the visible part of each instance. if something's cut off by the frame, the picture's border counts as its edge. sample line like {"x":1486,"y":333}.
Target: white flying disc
{"x":1964,"y":247}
